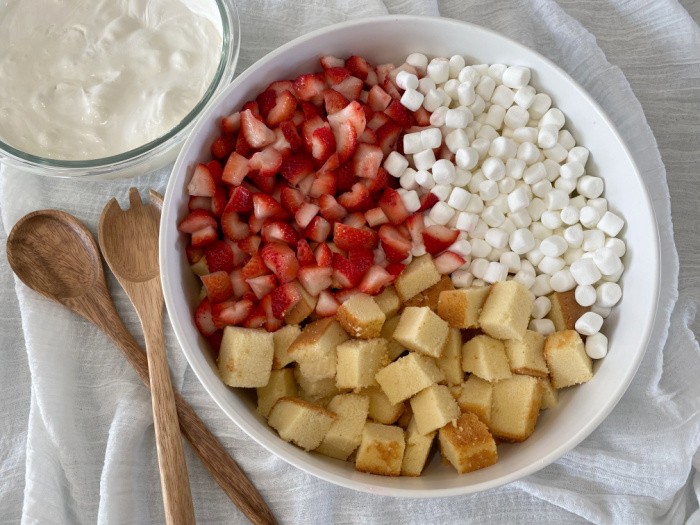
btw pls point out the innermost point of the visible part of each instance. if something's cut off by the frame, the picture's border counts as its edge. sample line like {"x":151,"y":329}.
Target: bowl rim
{"x":556,"y":453}
{"x":230,"y":49}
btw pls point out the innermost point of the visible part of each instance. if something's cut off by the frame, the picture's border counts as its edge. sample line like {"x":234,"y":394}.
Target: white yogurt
{"x":84,"y":79}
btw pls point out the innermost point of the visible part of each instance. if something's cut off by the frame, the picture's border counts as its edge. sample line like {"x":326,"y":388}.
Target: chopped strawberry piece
{"x":324,"y":184}
{"x":393,"y":206}
{"x":267,"y":162}
{"x":358,"y":66}
{"x":291,"y":199}
{"x":295,"y":167}
{"x":283,"y":109}
{"x":323,"y":255}
{"x":350,"y":88}
{"x":318,"y":229}
{"x":243,"y":148}
{"x":378,"y":183}
{"x":203,"y":318}
{"x":306,"y":212}
{"x":204,"y":237}
{"x":218,"y":201}
{"x":375,"y":280}
{"x":395,"y":246}
{"x":232,"y":123}
{"x":334,"y":101}
{"x":371,"y":79}
{"x":241,"y":200}
{"x":194,"y":254}
{"x":284,"y":299}
{"x":236,"y":169}
{"x":345,"y":177}
{"x":233,"y":227}
{"x":223,"y":146}
{"x":291,"y":134}
{"x":355,"y":219}
{"x":257,"y":317}
{"x":219,"y":257}
{"x":398,"y":112}
{"x":346,"y":140}
{"x":279,"y":231}
{"x":238,"y":281}
{"x":416,"y":225}
{"x":427,"y":201}
{"x":255,"y":267}
{"x":448,"y":262}
{"x":255,"y":224}
{"x":256,"y":133}
{"x":345,"y":275}
{"x":254,"y":109}
{"x":352,"y":113}
{"x":328,"y":61}
{"x":266,"y":207}
{"x":378,"y":99}
{"x":216,"y":170}
{"x":197,"y":220}
{"x":327,"y":305}
{"x":250,"y":245}
{"x":437,"y":238}
{"x":322,"y":143}
{"x":310,"y":87}
{"x":281,"y":260}
{"x":377,"y":121}
{"x":279,"y":86}
{"x":218,"y":286}
{"x":358,"y":199}
{"x":239,"y":256}
{"x":335,"y":75}
{"x":376,"y":217}
{"x":388,"y":136}
{"x":422,"y":117}
{"x":306,"y":183}
{"x":395,"y":269}
{"x":315,"y":279}
{"x":202,"y":183}
{"x":391,"y":89}
{"x":262,"y":285}
{"x":346,"y":237}
{"x":344,"y":295}
{"x":266,"y":101}
{"x":367,"y":160}
{"x":199,"y":203}
{"x":383,"y":71}
{"x":362,"y":259}
{"x":231,"y":313}
{"x":304,"y":254}
{"x":263,"y":183}
{"x":330,"y":209}
{"x":331,"y":164}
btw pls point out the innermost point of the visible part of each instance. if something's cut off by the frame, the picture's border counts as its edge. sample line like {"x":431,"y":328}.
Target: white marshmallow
{"x":540,"y":104}
{"x":589,"y":217}
{"x":459,"y":198}
{"x":406,"y":80}
{"x":610,"y":224}
{"x":485,"y":87}
{"x":430,"y":138}
{"x":496,"y":71}
{"x":450,"y":88}
{"x":554,"y":246}
{"x":481,"y":145}
{"x":540,"y":231}
{"x":511,"y":260}
{"x":579,"y":201}
{"x":411,"y":201}
{"x":571,"y":170}
{"x":541,"y":286}
{"x":565,"y":185}
{"x":541,"y":307}
{"x":493,"y":169}
{"x":601,"y":310}
{"x":520,"y":219}
{"x":566,"y":139}
{"x":592,"y":240}
{"x":503,"y":148}
{"x":412,"y":99}
{"x":527,"y":279}
{"x":589,"y":323}
{"x":456,"y":140}
{"x":462,"y":177}
{"x":585,"y":295}
{"x":562,"y":281}
{"x":589,"y":186}
{"x":556,"y":153}
{"x":516,"y":117}
{"x":551,"y":219}
{"x":528,"y":152}
{"x":541,"y":188}
{"x":478,"y":267}
{"x":607,"y":262}
{"x":423,"y":160}
{"x":556,"y":200}
{"x":536,"y":208}
{"x":600,"y":205}
{"x":456,"y":64}
{"x":552,"y":170}
{"x":585,"y":271}
{"x":425,"y":84}
{"x":476,"y":205}
{"x":488,"y":190}
{"x":525,"y":133}
{"x":574,"y":235}
{"x":578,"y":154}
{"x":488,"y":132}
{"x":534,"y":173}
{"x":462,"y":278}
{"x":441,"y":213}
{"x":553,"y":117}
{"x":493,"y":216}
{"x":506,"y":186}
{"x":480,"y":248}
{"x":439,"y":70}
{"x":419,"y":61}
{"x":425,"y":179}
{"x":550,"y":265}
{"x":495,"y":116}
{"x":569,"y":215}
{"x":521,"y":241}
{"x":466,"y":94}
{"x":461,"y":247}
{"x":458,"y":117}
{"x":516,"y":77}
{"x":608,"y":294}
{"x":408,"y":179}
{"x":497,"y":238}
{"x":396,"y":164}
{"x":443,"y":172}
{"x":468,"y":74}
{"x":542,"y":326}
{"x":515,"y":168}
{"x":432,"y":99}
{"x":596,"y":346}
{"x":466,"y":221}
{"x":466,"y":158}
{"x":437,"y":118}
{"x":412,"y":143}
{"x":547,"y":136}
{"x":617,"y":245}
{"x":442,"y":191}
{"x":524,"y":97}
{"x":495,"y":272}
{"x":614,"y":277}
{"x":478,"y":106}
{"x":503,"y":97}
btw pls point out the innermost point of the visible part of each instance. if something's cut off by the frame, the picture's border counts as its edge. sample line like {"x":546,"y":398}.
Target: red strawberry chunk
{"x":318,"y":229}
{"x":335,"y":75}
{"x":241,"y":200}
{"x":395,"y":246}
{"x":291,"y":199}
{"x":216,"y":170}
{"x":356,"y":219}
{"x":310,"y":87}
{"x":416,"y":225}
{"x":315,"y":279}
{"x":219,"y":257}
{"x":266,"y":101}
{"x":344,"y":295}
{"x":279,"y":231}
{"x":305,"y":214}
{"x":369,"y":136}
{"x":250,"y":245}
{"x":284,"y":299}
{"x":388,"y":136}
{"x":391,"y":88}
{"x":328,"y":61}
{"x":352,"y":113}
{"x":358,"y":66}
{"x":448,"y":262}
{"x":278,"y":86}
{"x":267,"y":162}
{"x":327,"y":304}
{"x":330,"y":209}
{"x":202,"y":183}
{"x":346,"y":237}
{"x":375,"y":280}
{"x":324,"y":184}
{"x":331,"y":164}
{"x":233,"y":227}
{"x":236,"y":169}
{"x":377,"y":121}
{"x":427,"y":201}
{"x":218,"y":201}
{"x":203,"y":318}
{"x":218,"y":286}
{"x":362,"y":259}
{"x":378,"y":99}
{"x":256,"y":133}
{"x":398,"y":112}
{"x":295,"y":167}
{"x":266,"y":207}
{"x":255,"y":267}
{"x":242,"y":146}
{"x":232,"y":123}
{"x":291,"y":134}
{"x":333,"y":101}
{"x":323,"y":255}
{"x":376,"y":217}
{"x":257,"y":317}
{"x":204,"y":237}
{"x":281,"y":260}
{"x":223,"y":146}
{"x":367,"y":160}
{"x":305,"y":184}
{"x":194,"y":255}
{"x":322,"y":143}
{"x":231,"y":313}
{"x":393,"y":206}
{"x":262,"y":285}
{"x":199,"y":203}
{"x":253,"y":107}
{"x":437,"y":238}
{"x":238,"y":281}
{"x":255,"y":224}
{"x":346,"y":140}
{"x":197,"y":220}
{"x":378,"y":183}
{"x":358,"y":199}
{"x":283,"y":109}
{"x":350,"y":88}
{"x":262,"y":183}
{"x":395,"y":269}
{"x":345,"y":275}
{"x":422,"y":117}
{"x":305,"y":255}
{"x":345,"y":177}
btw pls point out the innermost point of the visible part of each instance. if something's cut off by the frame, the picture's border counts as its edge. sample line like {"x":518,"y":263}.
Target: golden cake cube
{"x":431,"y":296}
{"x":461,"y":308}
{"x":388,"y":301}
{"x":282,"y":339}
{"x":450,"y":362}
{"x":566,"y":359}
{"x":407,"y":376}
{"x":476,"y":396}
{"x":417,"y":449}
{"x":526,"y":356}
{"x":394,"y":348}
{"x":419,"y":275}
{"x":381,"y":409}
{"x":421,"y":330}
{"x":302,"y":309}
{"x":406,"y":416}
{"x":314,"y":390}
{"x":345,"y":433}
{"x":381,"y":450}
{"x":359,"y":360}
{"x":433,"y":408}
{"x":550,"y":396}
{"x":316,"y":348}
{"x":245,"y":357}
{"x":565,"y":310}
{"x":486,"y":357}
{"x":361,"y":316}
{"x":300,"y":422}
{"x":506,"y":311}
{"x":515,"y":407}
{"x":467,"y":444}
{"x":281,"y":384}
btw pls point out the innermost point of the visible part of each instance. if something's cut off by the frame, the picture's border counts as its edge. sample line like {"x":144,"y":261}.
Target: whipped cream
{"x":89,"y":79}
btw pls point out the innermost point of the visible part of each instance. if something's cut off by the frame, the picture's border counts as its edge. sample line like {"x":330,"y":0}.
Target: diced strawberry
{"x":299,"y":117}
{"x":304,"y":254}
{"x":377,"y":121}
{"x":255,"y":223}
{"x":358,"y":66}
{"x":310,"y":87}
{"x":392,"y":205}
{"x":284,"y":299}
{"x":318,"y":229}
{"x":203,"y":318}
{"x":193,"y":254}
{"x":355,"y":219}
{"x":279,"y":86}
{"x":395,"y":269}
{"x":352,"y":113}
{"x":291,"y":199}
{"x":376,"y":217}
{"x":267,"y":162}
{"x":346,"y":237}
{"x":335,"y":75}
{"x":357,"y":199}
{"x":218,"y":201}
{"x":231,"y":313}
{"x":257,"y":317}
{"x":281,"y":260}
{"x":199,"y":203}
{"x":223,"y":146}
{"x":346,"y":140}
{"x":362,"y":259}
{"x":279,"y":231}
{"x":322,"y":143}
{"x":343,"y":295}
{"x":324,"y":184}
{"x":291,"y":134}
{"x":369,"y":136}
{"x":254,"y":109}
{"x":236,"y":169}
{"x":266,"y":101}
{"x":330,"y":209}
{"x":383,"y":71}
{"x":345,"y":177}
{"x":416,"y":225}
{"x":350,"y":88}
{"x":214,"y":342}
{"x":367,"y":160}
{"x":233,"y":227}
{"x":204,"y":237}
{"x":305,"y":184}
{"x":283,"y":109}
{"x":219,"y":257}
{"x":388,"y":136}
{"x":398,"y":112}
{"x":242,"y":147}
{"x":427,"y":201}
{"x":437,"y":238}
{"x":262,"y":285}
{"x":327,"y":305}
{"x":306,"y":212}
{"x":255,"y":267}
{"x":448,"y":262}
{"x":241,"y":200}
{"x":263,"y":183}
{"x":345,"y":275}
{"x":403,"y":67}
{"x":395,"y":246}
{"x":332,"y":163}
{"x":422,"y":117}
{"x":375,"y":280}
{"x":256,"y":133}
{"x":323,"y":255}
{"x":239,"y":284}
{"x":250,"y":245}
{"x":334,"y":101}
{"x":378,"y":99}
{"x":239,"y":256}
{"x":295,"y":167}
{"x":371,"y":79}
{"x":197,"y":220}
{"x":391,"y":89}
{"x":378,"y":183}
{"x":232,"y":123}
{"x":218,"y":286}
{"x":202,"y":183}
{"x":216,"y":170}
{"x":315,"y":279}
{"x":266,"y":207}
{"x":328,"y":61}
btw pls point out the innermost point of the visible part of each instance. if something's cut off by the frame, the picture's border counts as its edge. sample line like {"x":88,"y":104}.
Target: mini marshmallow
{"x":608,"y":294}
{"x":462,"y":177}
{"x":578,"y":154}
{"x":617,"y":245}
{"x":478,"y":106}
{"x":480,"y":248}
{"x":541,"y":307}
{"x":590,"y":186}
{"x":411,"y":201}
{"x":553,"y":117}
{"x":511,"y":260}
{"x":423,"y":160}
{"x":443,"y":172}
{"x":425,"y":84}
{"x":408,"y":179}
{"x":540,"y":104}
{"x":466,"y":94}
{"x":525,"y":133}
{"x":541,"y":188}
{"x":516,"y":117}
{"x":562,"y":281}
{"x":610,"y":224}
{"x":466,"y":158}
{"x":547,"y":136}
{"x":462,"y":278}
{"x":496,"y":71}
{"x":601,"y":310}
{"x":424,"y":179}
{"x":497,"y":238}
{"x":503,"y":148}
{"x":450,"y":88}
{"x":516,"y":77}
{"x":536,"y":208}
{"x":534,"y":173}
{"x":521,"y":241}
{"x":614,"y":277}
{"x":541,"y":286}
{"x":456,"y":64}
{"x":441,"y":213}
{"x":406,"y":80}
{"x":480,"y":230}
{"x":478,"y":267}
{"x":569,"y":215}
{"x":527,"y":279}
{"x":459,"y":198}
{"x":528,"y":152}
{"x":495,"y":116}
{"x":476,"y":204}
{"x":503,"y":97}
{"x":550,"y":265}
{"x":556,"y":200}
{"x":542,"y":326}
{"x":419,"y":61}
{"x":466,"y":221}
{"x":592,"y":240}
{"x":456,"y":140}
{"x":396,"y":164}
{"x":574,"y":235}
{"x":461,"y":247}
{"x":552,"y":169}
{"x":566,"y":139}
{"x":585,"y":271}
{"x":551,"y":219}
{"x":488,"y":132}
{"x":554,"y":246}
{"x":524,"y":97}
{"x":600,"y":205}
{"x":520,"y":219}
{"x":458,"y":117}
{"x":589,"y":217}
{"x":481,"y":145}
{"x":495,"y":272}
{"x":565,"y":185}
{"x":501,"y":203}
{"x":607,"y":262}
{"x":442,"y":191}
{"x":589,"y":323}
{"x":506,"y":186}
{"x":412,"y":99}
{"x":596,"y":346}
{"x":468,"y":74}
{"x":437,"y":118}
{"x":579,"y":201}
{"x":485,"y":87}
{"x":488,"y":190}
{"x":412,"y":143}
{"x":439,"y":70}
{"x":540,"y":231}
{"x":493,"y":216}
{"x":515,"y":168}
{"x":417,"y":250}
{"x":571,"y":170}
{"x":430,"y":138}
{"x":585,"y":295}
{"x":493,"y":169}
{"x":556,"y":153}
{"x":432,"y":99}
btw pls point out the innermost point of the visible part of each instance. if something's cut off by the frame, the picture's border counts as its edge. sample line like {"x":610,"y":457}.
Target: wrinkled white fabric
{"x":76,"y":433}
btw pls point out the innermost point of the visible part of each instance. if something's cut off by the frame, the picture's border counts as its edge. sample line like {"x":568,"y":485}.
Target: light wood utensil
{"x":55,"y":255}
{"x":129,"y":243}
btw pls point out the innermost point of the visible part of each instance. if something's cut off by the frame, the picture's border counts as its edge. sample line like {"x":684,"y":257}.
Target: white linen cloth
{"x":76,"y":434}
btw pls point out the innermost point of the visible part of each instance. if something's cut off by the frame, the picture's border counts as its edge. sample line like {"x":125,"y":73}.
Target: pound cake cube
{"x":381,"y":450}
{"x":381,"y":409}
{"x":245,"y":356}
{"x":388,"y":301}
{"x":433,"y":408}
{"x":476,"y":396}
{"x":450,"y":362}
{"x":486,"y":358}
{"x":300,"y":422}
{"x":461,"y":308}
{"x":406,"y":416}
{"x":345,"y":433}
{"x":281,"y":384}
{"x":315,"y":390}
{"x":417,"y":449}
{"x":407,"y":376}
{"x":394,"y":348}
{"x":506,"y":311}
{"x":565,"y":311}
{"x":567,"y":360}
{"x":318,"y":368}
{"x":316,"y":348}
{"x":431,"y":296}
{"x":421,"y":330}
{"x":302,"y":309}
{"x":516,"y":405}
{"x":361,"y":316}
{"x":282,"y":339}
{"x":526,"y":356}
{"x":550,"y":396}
{"x":419,"y":275}
{"x":359,"y":360}
{"x":467,"y":444}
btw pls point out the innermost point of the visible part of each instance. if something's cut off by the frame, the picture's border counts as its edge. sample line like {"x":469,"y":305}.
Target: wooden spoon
{"x":55,"y":255}
{"x":129,"y":243}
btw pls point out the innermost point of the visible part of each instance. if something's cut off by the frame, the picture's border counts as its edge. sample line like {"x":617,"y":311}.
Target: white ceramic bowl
{"x":390,"y":39}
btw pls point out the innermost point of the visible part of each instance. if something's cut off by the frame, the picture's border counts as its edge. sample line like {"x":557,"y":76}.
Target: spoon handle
{"x":99,"y":309}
